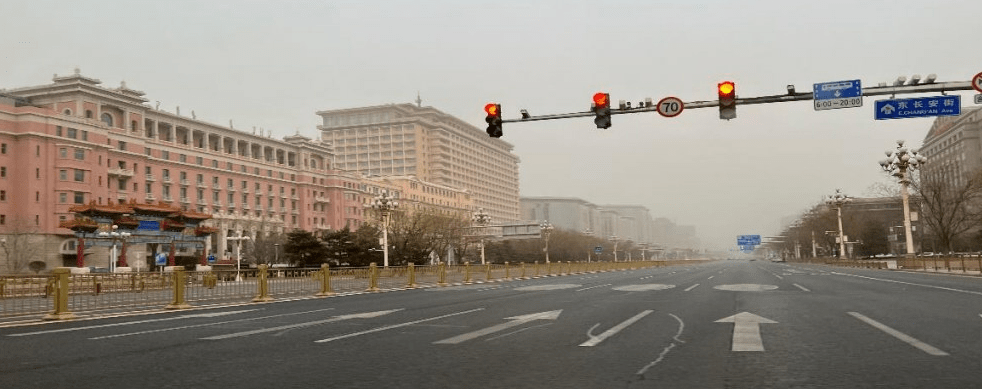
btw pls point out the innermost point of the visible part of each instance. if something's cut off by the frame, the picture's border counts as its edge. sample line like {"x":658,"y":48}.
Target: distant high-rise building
{"x":406,"y":139}
{"x":952,"y":147}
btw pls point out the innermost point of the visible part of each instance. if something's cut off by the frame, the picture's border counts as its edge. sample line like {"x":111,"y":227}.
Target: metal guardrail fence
{"x":965,"y":265}
{"x":61,"y":294}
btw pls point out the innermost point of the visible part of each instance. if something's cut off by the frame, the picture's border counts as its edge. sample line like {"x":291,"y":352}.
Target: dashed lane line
{"x":901,"y":336}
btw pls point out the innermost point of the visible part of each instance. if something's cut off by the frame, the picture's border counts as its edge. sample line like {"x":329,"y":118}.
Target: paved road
{"x":728,"y":324}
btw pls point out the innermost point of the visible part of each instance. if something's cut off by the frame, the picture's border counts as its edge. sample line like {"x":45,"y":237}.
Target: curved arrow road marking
{"x":747,"y":334}
{"x":594,"y":340}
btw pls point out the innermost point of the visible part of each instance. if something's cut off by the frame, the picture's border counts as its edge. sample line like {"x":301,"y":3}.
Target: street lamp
{"x":115,"y":236}
{"x":276,"y":253}
{"x":897,"y":164}
{"x":385,"y":205}
{"x":546,"y":228}
{"x":481,"y":218}
{"x":238,"y":240}
{"x":615,"y":240}
{"x":838,"y":200}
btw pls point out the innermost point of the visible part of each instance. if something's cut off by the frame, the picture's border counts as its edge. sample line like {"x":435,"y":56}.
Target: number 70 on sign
{"x":670,"y":107}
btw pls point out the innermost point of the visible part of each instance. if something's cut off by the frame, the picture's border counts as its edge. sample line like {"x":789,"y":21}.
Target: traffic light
{"x":494,"y":120}
{"x":602,"y":110}
{"x":727,"y":98}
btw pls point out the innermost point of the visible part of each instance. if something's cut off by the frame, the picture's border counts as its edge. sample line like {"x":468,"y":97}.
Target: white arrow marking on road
{"x":515,"y":321}
{"x":352,"y":335}
{"x":747,"y":334}
{"x":215,"y":314}
{"x":206,"y":324}
{"x":366,"y":315}
{"x":594,"y":340}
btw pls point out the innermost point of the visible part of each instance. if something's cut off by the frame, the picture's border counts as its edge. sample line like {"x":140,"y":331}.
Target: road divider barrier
{"x":61,"y":295}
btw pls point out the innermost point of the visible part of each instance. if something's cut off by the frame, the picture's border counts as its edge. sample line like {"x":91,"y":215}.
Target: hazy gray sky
{"x":272,"y":64}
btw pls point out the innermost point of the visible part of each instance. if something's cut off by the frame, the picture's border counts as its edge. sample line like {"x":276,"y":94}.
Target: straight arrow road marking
{"x":205,"y":324}
{"x":747,"y":333}
{"x":594,"y":340}
{"x":214,"y":314}
{"x":352,"y":335}
{"x":901,"y":336}
{"x":515,"y":321}
{"x":366,"y":315}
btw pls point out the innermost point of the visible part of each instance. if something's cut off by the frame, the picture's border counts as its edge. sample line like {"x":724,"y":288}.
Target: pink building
{"x":74,"y":142}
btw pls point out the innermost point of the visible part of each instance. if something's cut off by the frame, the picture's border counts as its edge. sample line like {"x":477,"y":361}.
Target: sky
{"x":273,"y":64}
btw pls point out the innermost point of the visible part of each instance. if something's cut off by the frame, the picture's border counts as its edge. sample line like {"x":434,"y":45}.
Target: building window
{"x":71,"y":133}
{"x":62,"y":153}
{"x":166,"y":155}
{"x":3,"y":220}
{"x":108,"y":119}
{"x":88,"y":114}
{"x":122,"y":145}
{"x":199,"y":161}
{"x":147,"y":151}
{"x":85,"y":135}
{"x":3,"y":148}
{"x":183,"y":158}
{"x":57,"y":130}
{"x":80,"y":154}
{"x":3,"y":195}
{"x":3,"y":172}
{"x":79,"y":175}
{"x":63,"y":175}
{"x":215,"y":163}
{"x":79,"y":198}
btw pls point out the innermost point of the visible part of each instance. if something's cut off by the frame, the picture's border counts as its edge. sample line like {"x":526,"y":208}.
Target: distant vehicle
{"x":93,"y":269}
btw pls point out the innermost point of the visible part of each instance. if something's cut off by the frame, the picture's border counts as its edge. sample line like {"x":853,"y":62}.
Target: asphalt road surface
{"x":725,"y":324}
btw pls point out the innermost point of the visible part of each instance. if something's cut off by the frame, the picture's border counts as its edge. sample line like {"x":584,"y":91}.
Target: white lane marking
{"x":747,"y":332}
{"x":906,"y":283}
{"x":642,"y":288}
{"x":691,"y":288}
{"x":548,"y":287}
{"x":516,"y":332}
{"x":711,"y":277}
{"x":205,"y":324}
{"x":594,"y":340}
{"x":745,"y":287}
{"x":802,"y":287}
{"x":354,"y":334}
{"x":901,"y":336}
{"x":592,"y":287}
{"x":665,"y":351}
{"x":776,"y":275}
{"x":216,"y":314}
{"x":365,"y":315}
{"x":514,"y":321}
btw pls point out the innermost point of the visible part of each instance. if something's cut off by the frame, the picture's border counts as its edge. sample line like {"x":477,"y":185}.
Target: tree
{"x":415,"y":236}
{"x":21,"y":245}
{"x":304,"y":249}
{"x":951,"y":208}
{"x":265,"y":249}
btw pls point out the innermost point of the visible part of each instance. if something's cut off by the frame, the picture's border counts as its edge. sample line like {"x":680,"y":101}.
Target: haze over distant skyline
{"x":273,"y":64}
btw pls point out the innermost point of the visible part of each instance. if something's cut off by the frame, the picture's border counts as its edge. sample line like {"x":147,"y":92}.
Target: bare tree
{"x":950,"y":206}
{"x":21,"y":245}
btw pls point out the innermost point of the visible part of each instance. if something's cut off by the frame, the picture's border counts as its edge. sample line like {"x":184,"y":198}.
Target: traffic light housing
{"x":727,"y":99}
{"x":494,"y":120}
{"x":602,"y":110}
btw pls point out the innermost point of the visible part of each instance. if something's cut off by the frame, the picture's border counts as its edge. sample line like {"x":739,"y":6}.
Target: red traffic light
{"x":601,"y":100}
{"x":492,"y":109}
{"x":725,"y":90}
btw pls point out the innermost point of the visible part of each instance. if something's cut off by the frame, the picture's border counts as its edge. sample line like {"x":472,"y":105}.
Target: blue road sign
{"x":837,"y":94}
{"x":160,"y":259}
{"x":917,"y":107}
{"x":211,"y":258}
{"x":748,"y":240}
{"x":598,"y":249}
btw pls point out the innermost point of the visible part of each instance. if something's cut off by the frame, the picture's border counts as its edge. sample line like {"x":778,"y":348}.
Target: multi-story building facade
{"x":952,"y":146}
{"x":415,"y":195}
{"x":406,"y":139}
{"x":74,"y":142}
{"x":625,"y":222}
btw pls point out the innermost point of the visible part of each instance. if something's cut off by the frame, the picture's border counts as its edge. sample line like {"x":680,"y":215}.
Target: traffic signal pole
{"x":788,"y":97}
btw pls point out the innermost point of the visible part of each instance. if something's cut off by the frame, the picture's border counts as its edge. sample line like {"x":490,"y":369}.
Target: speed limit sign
{"x":978,"y":82}
{"x":670,"y":107}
